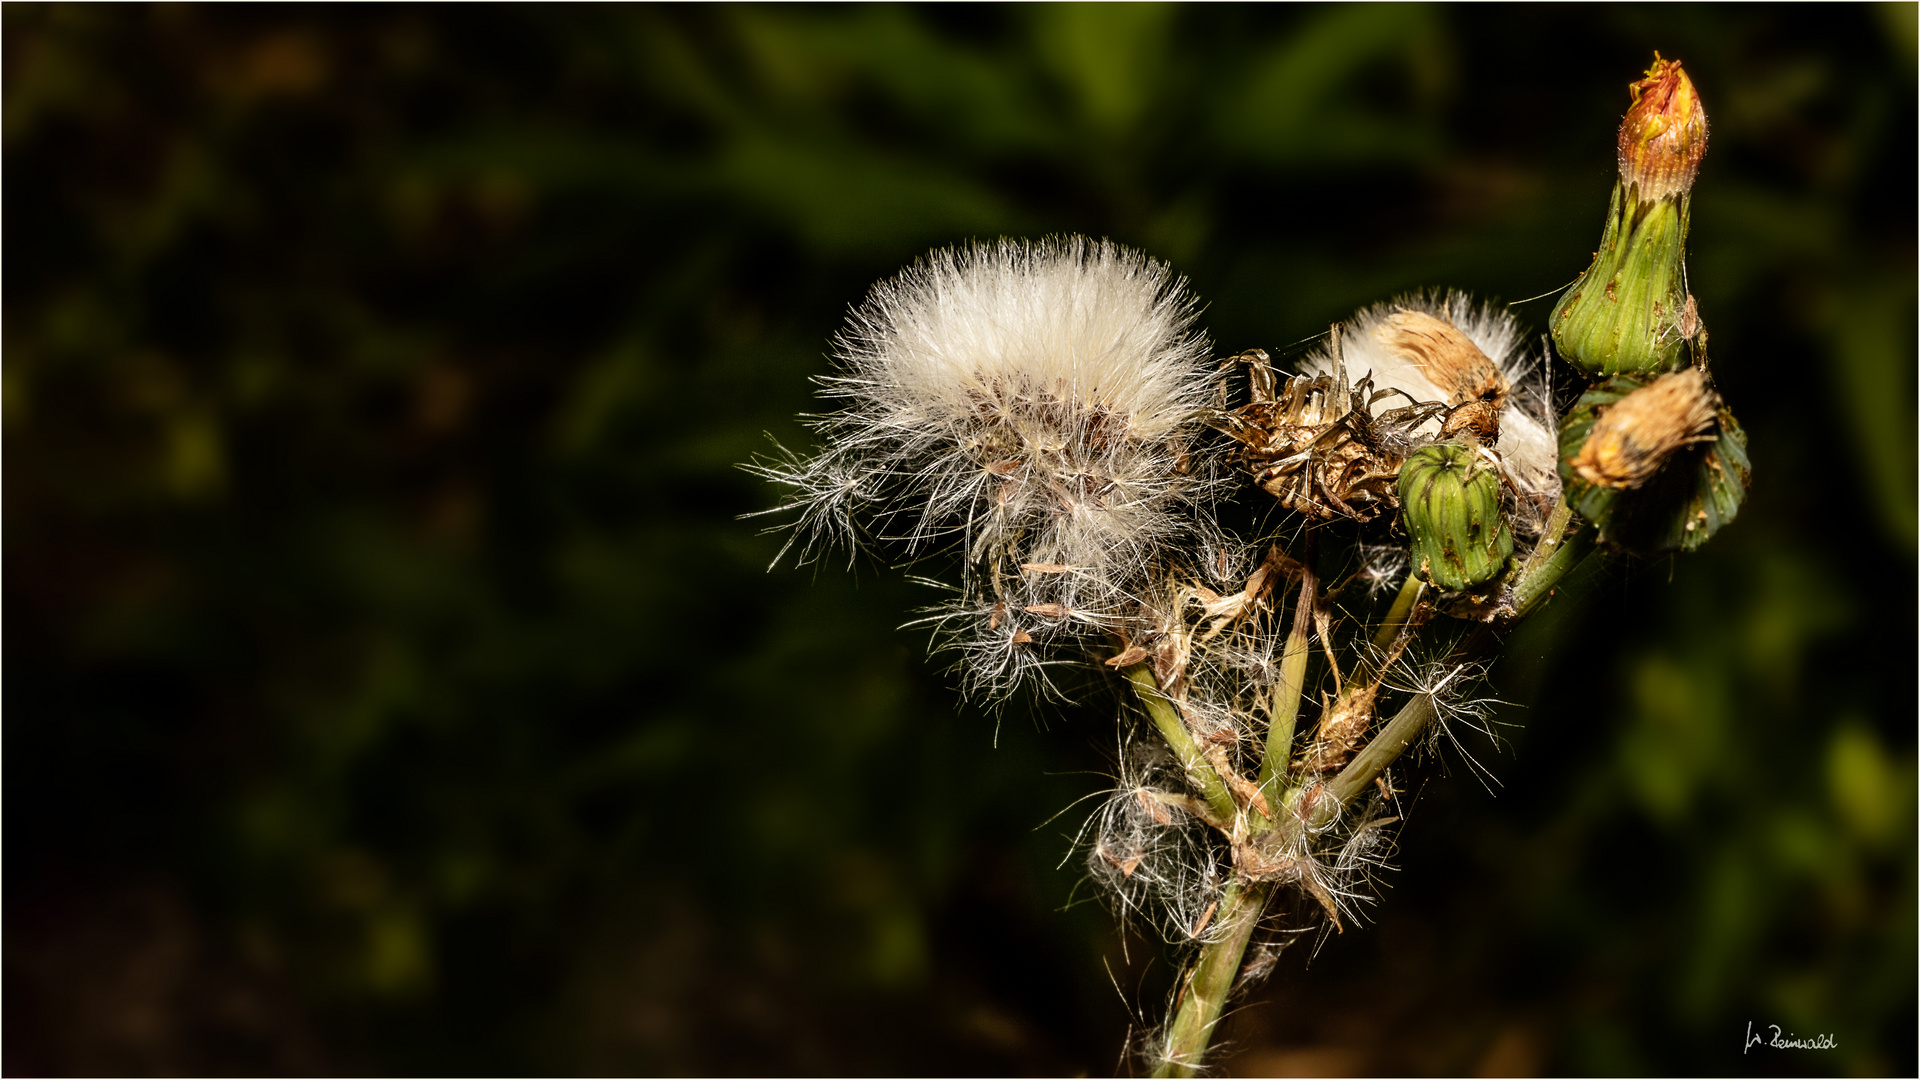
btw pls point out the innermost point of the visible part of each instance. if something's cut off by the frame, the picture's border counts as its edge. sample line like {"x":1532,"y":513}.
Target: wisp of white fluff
{"x":1037,"y":403}
{"x":1527,"y":446}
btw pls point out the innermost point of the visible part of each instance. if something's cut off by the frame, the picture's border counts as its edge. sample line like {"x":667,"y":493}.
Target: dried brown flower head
{"x":1636,"y":435}
{"x":1449,"y":357}
{"x":1315,"y":444}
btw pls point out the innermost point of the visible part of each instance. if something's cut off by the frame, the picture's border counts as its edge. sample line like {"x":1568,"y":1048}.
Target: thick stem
{"x":1166,"y":717}
{"x":1210,"y":980}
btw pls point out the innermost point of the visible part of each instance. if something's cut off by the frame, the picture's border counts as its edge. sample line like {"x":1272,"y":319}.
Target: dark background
{"x":390,"y":687}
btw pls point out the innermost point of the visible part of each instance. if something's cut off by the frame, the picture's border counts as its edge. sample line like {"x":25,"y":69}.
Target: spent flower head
{"x":1472,"y":357}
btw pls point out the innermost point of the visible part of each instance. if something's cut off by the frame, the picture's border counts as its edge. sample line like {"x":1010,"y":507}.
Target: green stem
{"x":1166,"y":717}
{"x":1563,"y":546}
{"x":1211,"y":979}
{"x":1407,"y":725}
{"x":1559,"y":552}
{"x":1286,"y":691}
{"x":1402,"y":607}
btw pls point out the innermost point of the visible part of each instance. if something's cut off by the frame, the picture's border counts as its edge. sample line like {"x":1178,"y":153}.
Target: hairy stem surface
{"x":1211,"y":979}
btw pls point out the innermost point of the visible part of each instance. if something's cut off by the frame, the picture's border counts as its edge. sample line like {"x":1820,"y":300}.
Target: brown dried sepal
{"x":1636,"y":435}
{"x":1245,"y":792}
{"x":1449,"y":358}
{"x":1316,"y":446}
{"x":1343,"y":725}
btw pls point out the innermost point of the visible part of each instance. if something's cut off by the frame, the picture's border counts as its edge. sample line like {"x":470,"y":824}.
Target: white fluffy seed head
{"x":1526,"y":446}
{"x":1093,"y":327}
{"x":1040,"y":405}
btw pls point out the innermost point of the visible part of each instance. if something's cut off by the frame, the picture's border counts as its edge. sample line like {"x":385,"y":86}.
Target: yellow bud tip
{"x":1664,"y":134}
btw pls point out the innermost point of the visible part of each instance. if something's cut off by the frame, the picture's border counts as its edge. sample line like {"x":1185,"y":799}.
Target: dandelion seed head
{"x":1038,"y":406}
{"x":1043,"y":338}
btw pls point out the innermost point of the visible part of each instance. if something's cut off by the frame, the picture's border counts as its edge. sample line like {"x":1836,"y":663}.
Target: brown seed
{"x":1449,"y":358}
{"x":1640,"y":432}
{"x":1044,"y":567}
{"x":1205,"y":918}
{"x":1129,"y":658}
{"x":1126,"y":866}
{"x":1048,"y":611}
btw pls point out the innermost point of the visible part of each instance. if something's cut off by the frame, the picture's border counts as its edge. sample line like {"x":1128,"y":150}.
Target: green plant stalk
{"x":1286,"y":693}
{"x":1559,"y":551}
{"x":1166,"y":717}
{"x":1402,"y":609}
{"x":1211,"y":979}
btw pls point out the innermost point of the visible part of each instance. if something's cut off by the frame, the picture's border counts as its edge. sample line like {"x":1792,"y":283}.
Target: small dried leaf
{"x":1154,"y":807}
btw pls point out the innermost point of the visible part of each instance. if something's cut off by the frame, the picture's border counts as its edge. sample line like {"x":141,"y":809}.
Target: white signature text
{"x":1788,"y":1041}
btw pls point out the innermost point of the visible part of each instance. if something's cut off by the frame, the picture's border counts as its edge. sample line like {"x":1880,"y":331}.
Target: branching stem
{"x":1166,"y":717}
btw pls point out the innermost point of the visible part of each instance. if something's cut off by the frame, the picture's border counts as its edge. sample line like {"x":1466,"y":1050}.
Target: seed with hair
{"x":1635,"y":437}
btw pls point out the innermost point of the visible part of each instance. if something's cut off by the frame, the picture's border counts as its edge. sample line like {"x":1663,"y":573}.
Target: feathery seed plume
{"x":1035,"y":405}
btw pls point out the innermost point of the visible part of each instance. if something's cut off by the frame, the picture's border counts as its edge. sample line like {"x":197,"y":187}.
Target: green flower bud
{"x":1450,"y":499}
{"x":1659,"y":464}
{"x":1630,"y":312}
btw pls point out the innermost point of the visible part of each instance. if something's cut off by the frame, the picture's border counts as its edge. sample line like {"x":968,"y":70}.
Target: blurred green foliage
{"x":390,"y":686}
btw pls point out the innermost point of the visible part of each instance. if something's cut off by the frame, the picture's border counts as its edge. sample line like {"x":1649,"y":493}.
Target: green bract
{"x":1450,"y":500}
{"x":1628,"y":312}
